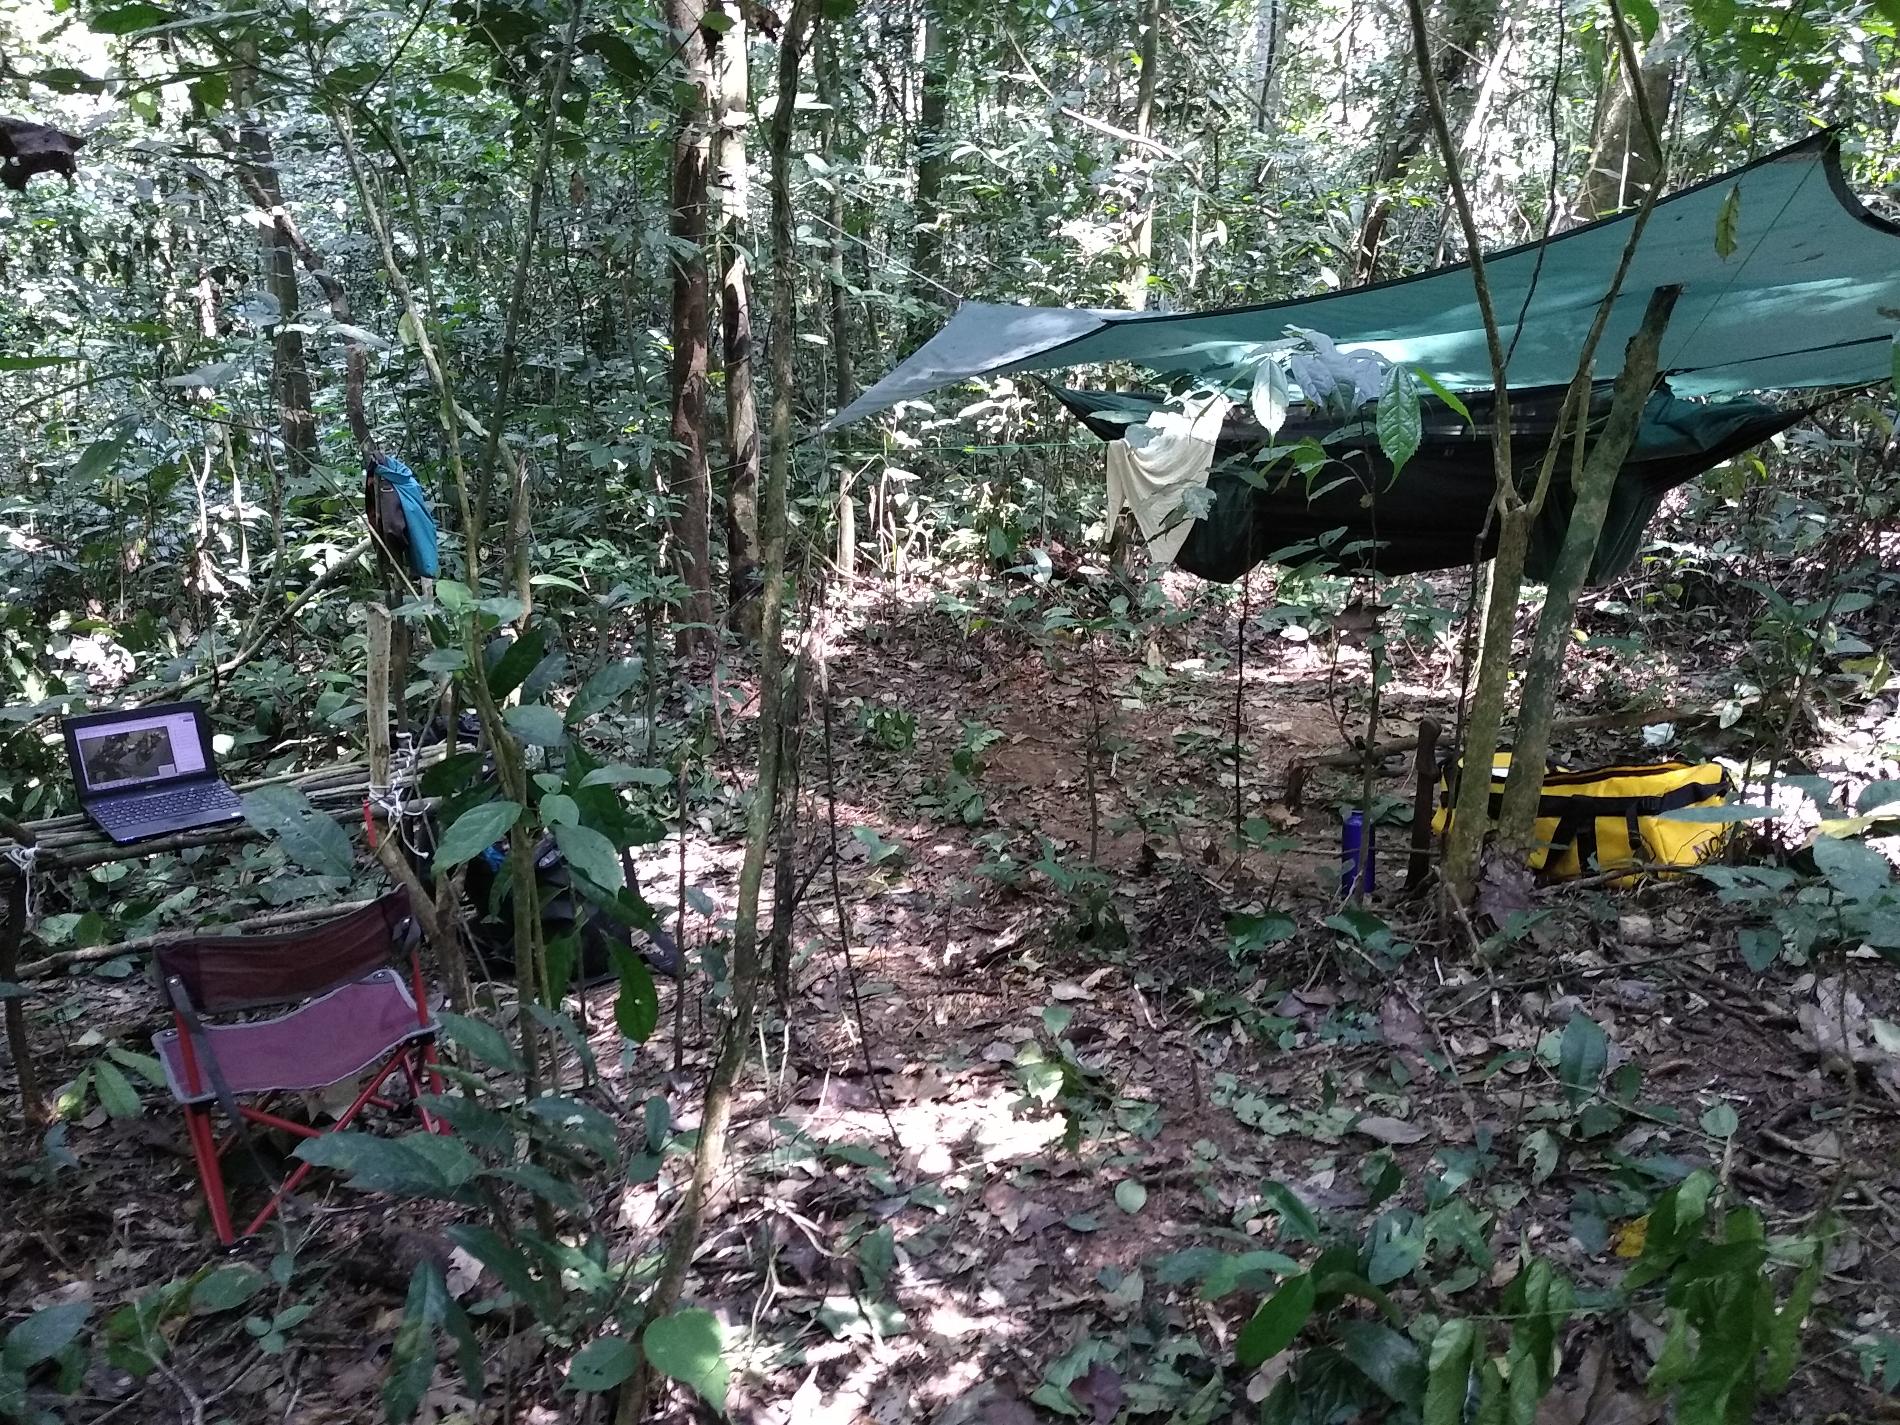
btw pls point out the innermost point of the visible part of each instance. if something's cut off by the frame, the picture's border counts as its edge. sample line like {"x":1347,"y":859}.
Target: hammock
{"x":1351,"y":513}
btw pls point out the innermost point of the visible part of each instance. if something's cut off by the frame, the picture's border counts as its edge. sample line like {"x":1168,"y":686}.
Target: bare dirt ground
{"x":969,"y":1177}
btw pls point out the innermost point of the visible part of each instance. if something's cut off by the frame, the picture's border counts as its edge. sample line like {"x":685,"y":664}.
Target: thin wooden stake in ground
{"x":12,"y":933}
{"x":736,"y":1035}
{"x":1240,"y":694}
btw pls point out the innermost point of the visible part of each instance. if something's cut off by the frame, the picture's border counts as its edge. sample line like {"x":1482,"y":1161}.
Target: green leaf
{"x":414,"y":1165}
{"x":1784,"y":1332}
{"x":657,"y":1118}
{"x":1234,"y":1270}
{"x":1853,"y":868}
{"x":517,"y":662}
{"x":877,"y":1255}
{"x":1720,"y":1121}
{"x":116,"y":1096}
{"x":482,"y":1040}
{"x":1253,"y":933}
{"x":43,"y":1335}
{"x":1760,"y":945}
{"x":637,"y":1011}
{"x":226,"y":1288}
{"x":313,"y":840}
{"x":210,"y":91}
{"x":617,"y":775}
{"x":474,"y":831}
{"x":619,"y":56}
{"x":1727,"y":219}
{"x":1297,"y":1221}
{"x":144,"y":1065}
{"x":602,"y":1364}
{"x":1398,"y":422}
{"x":877,"y":849}
{"x":1397,"y":1247}
{"x":1271,"y":396}
{"x":1448,"y":1372}
{"x":689,"y":1347}
{"x":97,"y":458}
{"x":479,"y":1124}
{"x":1582,"y":1055}
{"x":1724,"y":814}
{"x":576,"y":1126}
{"x":34,"y":363}
{"x":609,"y":682}
{"x":542,"y":1183}
{"x":412,"y":1359}
{"x":557,"y":808}
{"x":1644,"y":13}
{"x":124,"y":19}
{"x":592,"y":854}
{"x":507,"y":1261}
{"x":1276,"y":1323}
{"x":1130,"y":1196}
{"x":563,"y":952}
{"x":1444,"y":393}
{"x":1383,"y":1357}
{"x":536,"y":724}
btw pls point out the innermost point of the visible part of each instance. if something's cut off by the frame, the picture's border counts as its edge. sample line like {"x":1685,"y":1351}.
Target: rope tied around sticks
{"x":23,"y":859}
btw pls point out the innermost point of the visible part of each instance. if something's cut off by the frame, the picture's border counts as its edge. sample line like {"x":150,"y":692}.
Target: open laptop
{"x":148,"y":771}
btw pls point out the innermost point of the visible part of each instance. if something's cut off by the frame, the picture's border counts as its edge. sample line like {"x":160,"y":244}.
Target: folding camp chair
{"x":353,"y":1013}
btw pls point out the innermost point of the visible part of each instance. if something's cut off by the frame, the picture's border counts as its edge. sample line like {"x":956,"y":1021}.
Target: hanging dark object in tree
{"x":30,"y":148}
{"x":398,"y":513}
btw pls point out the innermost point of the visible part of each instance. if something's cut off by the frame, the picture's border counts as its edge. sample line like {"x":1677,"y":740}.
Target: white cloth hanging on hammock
{"x":1157,"y":462}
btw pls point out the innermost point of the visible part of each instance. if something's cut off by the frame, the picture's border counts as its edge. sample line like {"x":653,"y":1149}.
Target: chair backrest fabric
{"x":222,"y":972}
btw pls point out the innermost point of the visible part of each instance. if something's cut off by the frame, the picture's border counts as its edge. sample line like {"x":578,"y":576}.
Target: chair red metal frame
{"x":352,"y":1013}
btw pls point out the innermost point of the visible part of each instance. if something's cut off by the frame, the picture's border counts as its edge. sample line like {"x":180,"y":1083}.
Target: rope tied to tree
{"x":23,"y":859}
{"x":399,"y":801}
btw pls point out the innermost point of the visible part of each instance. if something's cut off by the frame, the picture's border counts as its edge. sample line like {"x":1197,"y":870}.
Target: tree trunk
{"x":1464,"y":28}
{"x":1537,"y":701}
{"x":1141,"y":239}
{"x":735,"y":1040}
{"x":290,"y":374}
{"x":1622,"y":165}
{"x":733,"y":182}
{"x":1465,"y":844}
{"x":688,"y":484}
{"x":1471,"y":812}
{"x":927,"y":255}
{"x":13,"y":930}
{"x":356,"y":359}
{"x":844,"y":381}
{"x":1271,"y":19}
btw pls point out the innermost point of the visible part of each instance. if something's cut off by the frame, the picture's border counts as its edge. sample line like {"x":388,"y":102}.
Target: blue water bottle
{"x":1354,"y":835}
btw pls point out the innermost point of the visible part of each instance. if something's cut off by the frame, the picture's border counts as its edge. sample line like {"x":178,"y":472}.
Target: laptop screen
{"x":139,"y":748}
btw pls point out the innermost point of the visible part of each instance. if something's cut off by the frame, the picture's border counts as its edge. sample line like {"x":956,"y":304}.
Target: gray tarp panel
{"x":1797,"y":304}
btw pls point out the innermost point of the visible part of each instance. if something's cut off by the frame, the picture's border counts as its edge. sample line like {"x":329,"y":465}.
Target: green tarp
{"x":1807,"y":296}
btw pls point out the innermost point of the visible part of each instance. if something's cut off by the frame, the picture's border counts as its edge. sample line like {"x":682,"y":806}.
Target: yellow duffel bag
{"x":1605,"y":817}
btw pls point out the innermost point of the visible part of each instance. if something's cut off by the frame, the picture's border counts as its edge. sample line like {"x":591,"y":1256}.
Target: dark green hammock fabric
{"x":1353,"y":514}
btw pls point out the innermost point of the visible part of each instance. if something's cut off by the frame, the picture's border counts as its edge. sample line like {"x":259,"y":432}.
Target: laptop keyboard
{"x":175,"y":801}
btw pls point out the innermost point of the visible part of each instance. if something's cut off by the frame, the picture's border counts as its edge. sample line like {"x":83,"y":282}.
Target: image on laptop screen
{"x":113,"y":755}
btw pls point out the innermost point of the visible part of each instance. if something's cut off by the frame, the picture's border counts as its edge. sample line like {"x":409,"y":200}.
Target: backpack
{"x":1602,"y":818}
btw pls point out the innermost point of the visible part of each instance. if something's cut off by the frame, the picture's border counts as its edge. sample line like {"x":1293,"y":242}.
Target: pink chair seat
{"x":333,"y":1037}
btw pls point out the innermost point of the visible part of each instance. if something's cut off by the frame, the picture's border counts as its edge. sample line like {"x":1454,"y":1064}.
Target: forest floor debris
{"x":1090,"y":1098}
